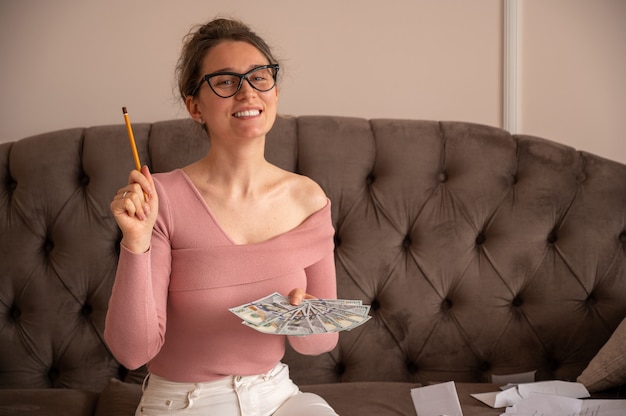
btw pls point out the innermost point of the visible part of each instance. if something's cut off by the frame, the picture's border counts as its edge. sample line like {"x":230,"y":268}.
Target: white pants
{"x":267,"y":394}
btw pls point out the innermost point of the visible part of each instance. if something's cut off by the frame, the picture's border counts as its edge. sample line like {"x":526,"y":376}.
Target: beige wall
{"x":573,"y":73}
{"x":68,"y":63}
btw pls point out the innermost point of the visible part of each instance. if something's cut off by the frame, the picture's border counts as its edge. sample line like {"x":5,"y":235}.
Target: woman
{"x":223,"y":231}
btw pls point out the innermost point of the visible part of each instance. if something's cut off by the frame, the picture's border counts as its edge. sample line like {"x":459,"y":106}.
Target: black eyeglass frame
{"x":241,"y":77}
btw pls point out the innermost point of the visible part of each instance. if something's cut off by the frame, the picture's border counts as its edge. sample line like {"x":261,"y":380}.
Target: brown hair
{"x":202,"y":38}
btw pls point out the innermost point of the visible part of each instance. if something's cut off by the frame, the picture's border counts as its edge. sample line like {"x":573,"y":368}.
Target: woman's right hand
{"x":135,"y":208}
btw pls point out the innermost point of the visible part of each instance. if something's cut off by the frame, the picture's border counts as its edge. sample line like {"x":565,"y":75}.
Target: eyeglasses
{"x":226,"y":84}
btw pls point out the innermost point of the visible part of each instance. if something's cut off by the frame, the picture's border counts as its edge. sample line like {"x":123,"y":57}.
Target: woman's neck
{"x":238,"y":171}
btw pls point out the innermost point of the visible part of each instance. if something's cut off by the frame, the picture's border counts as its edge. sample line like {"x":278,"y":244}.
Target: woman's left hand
{"x":297,"y":295}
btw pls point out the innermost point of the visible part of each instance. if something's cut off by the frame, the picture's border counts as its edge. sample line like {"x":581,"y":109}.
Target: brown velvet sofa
{"x":480,"y":253}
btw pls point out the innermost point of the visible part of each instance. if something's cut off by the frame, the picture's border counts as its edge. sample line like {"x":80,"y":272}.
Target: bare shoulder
{"x":306,"y":193}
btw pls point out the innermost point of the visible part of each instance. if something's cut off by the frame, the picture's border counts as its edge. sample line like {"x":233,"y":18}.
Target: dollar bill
{"x":273,"y":314}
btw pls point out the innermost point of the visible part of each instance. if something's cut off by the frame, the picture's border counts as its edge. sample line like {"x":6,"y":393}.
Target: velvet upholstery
{"x":480,"y":252}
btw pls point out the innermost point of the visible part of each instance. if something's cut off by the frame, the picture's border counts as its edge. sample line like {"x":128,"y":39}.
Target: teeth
{"x":247,"y":113}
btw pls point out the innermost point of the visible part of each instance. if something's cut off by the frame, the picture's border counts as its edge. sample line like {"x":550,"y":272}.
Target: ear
{"x":192,"y":108}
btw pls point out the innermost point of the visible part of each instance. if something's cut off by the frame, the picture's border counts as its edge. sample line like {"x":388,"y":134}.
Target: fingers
{"x":135,"y":208}
{"x":136,"y":198}
{"x":133,"y":200}
{"x":143,"y":179}
{"x":297,"y":295}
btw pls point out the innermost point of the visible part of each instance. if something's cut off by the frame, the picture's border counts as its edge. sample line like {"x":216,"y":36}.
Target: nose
{"x":246,"y":89}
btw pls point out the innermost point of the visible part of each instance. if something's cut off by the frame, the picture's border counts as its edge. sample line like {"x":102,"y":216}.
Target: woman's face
{"x":247,"y":114}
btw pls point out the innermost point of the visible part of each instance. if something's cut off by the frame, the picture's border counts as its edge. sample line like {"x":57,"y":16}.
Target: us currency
{"x":274,"y":314}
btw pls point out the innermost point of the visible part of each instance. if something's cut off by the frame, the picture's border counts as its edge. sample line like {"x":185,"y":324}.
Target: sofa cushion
{"x":608,"y":368}
{"x":366,"y":398}
{"x":393,"y":399}
{"x":358,"y":398}
{"x":119,"y":398}
{"x":47,"y":402}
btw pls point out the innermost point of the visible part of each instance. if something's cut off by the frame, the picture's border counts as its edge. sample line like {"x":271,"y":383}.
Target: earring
{"x":200,"y":121}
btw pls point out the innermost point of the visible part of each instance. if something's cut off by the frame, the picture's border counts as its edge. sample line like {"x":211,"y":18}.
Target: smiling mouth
{"x":247,"y":113}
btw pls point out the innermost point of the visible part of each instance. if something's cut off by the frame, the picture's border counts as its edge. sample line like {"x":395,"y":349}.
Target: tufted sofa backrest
{"x":480,"y":252}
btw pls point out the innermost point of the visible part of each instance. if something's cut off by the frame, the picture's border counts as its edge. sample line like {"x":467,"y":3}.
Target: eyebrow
{"x":230,"y":69}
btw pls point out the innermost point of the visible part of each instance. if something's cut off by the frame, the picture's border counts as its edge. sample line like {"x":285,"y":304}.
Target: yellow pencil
{"x":131,"y":138}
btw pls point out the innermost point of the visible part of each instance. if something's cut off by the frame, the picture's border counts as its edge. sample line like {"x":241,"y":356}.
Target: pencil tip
{"x":124,"y":110}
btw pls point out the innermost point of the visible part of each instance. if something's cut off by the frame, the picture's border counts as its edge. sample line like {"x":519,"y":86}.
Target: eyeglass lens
{"x":226,"y":85}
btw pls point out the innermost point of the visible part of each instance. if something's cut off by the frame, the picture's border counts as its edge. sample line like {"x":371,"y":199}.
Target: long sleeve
{"x":322,"y":283}
{"x":137,"y":315}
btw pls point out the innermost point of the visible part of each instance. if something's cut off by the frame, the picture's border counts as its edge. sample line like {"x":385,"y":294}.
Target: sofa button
{"x":411,"y":367}
{"x":553,"y":364}
{"x":15,"y":313}
{"x":86,"y":310}
{"x":443,"y":177}
{"x":48,"y":246}
{"x":340,"y":368}
{"x":53,"y":376}
{"x":552,"y":237}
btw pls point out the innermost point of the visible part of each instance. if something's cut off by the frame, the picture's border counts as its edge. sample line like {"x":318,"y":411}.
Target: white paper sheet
{"x":437,"y":400}
{"x":550,"y":398}
{"x":556,"y":387}
{"x":513,"y":395}
{"x":499,"y":399}
{"x":539,"y":404}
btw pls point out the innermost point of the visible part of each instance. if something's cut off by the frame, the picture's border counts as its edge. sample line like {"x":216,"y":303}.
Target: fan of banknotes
{"x":274,"y":314}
